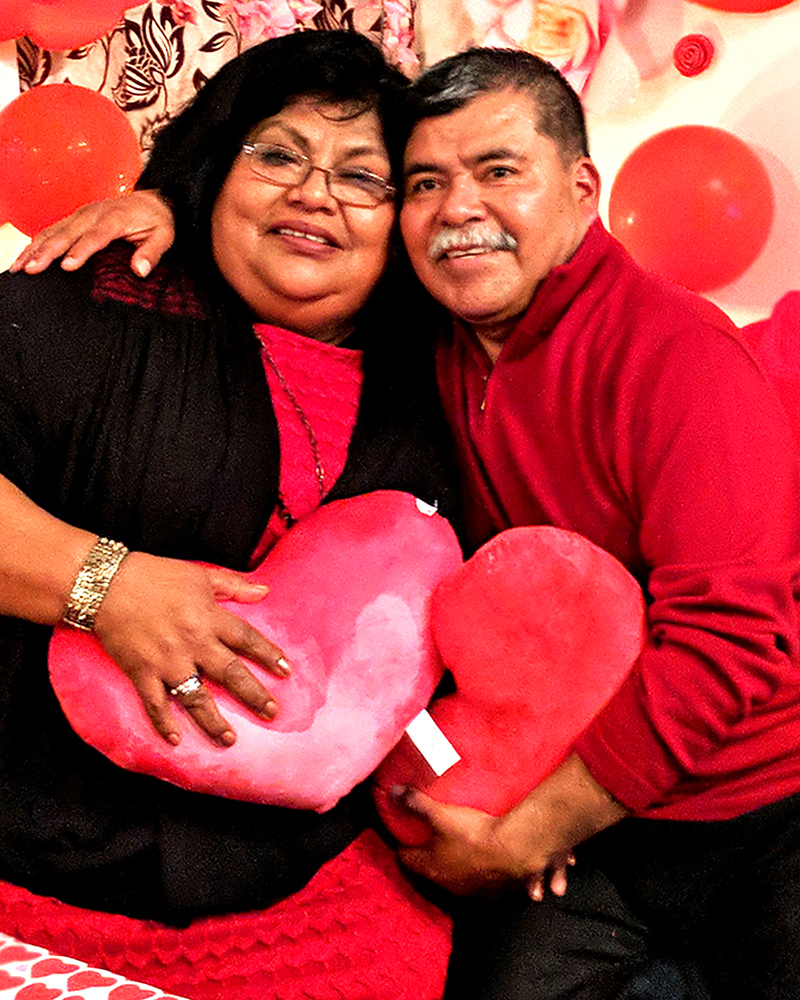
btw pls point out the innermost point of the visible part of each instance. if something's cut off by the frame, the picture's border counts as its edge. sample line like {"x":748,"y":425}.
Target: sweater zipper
{"x":485,"y":391}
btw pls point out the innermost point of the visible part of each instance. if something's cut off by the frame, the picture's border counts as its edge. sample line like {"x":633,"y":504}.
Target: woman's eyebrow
{"x":361,"y":149}
{"x":288,"y":130}
{"x":366,"y":149}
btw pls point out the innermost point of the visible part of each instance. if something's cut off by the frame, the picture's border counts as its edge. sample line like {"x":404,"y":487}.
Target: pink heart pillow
{"x":539,"y":628}
{"x":349,"y":605}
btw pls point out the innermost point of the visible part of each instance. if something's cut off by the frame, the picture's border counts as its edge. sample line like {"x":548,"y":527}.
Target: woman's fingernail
{"x":228,"y":738}
{"x":143,"y":268}
{"x":174,"y":738}
{"x":270,"y":710}
{"x":284,"y":666}
{"x":398,"y":791}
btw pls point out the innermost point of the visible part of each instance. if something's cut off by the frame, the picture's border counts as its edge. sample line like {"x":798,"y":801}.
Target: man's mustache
{"x":478,"y":236}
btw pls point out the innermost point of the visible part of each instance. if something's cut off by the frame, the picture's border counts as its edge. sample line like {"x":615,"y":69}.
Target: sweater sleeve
{"x":705,"y":458}
{"x":41,"y":372}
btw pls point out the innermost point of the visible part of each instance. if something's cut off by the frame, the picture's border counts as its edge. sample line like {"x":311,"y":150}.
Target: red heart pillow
{"x":538,"y":628}
{"x":349,"y":605}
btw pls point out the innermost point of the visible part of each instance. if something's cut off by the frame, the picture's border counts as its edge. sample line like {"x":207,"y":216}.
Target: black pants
{"x":721,"y":897}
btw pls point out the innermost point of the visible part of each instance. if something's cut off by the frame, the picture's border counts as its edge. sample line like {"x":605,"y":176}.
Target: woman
{"x":150,"y":414}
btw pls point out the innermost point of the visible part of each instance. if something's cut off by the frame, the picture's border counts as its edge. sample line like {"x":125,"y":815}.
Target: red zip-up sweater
{"x":628,"y":410}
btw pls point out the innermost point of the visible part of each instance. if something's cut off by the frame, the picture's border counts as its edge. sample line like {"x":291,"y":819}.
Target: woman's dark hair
{"x":194,"y":153}
{"x":454,"y":82}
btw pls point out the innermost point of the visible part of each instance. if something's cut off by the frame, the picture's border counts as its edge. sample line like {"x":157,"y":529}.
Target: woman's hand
{"x":473,"y":852}
{"x":161,"y":623}
{"x":140,"y":217}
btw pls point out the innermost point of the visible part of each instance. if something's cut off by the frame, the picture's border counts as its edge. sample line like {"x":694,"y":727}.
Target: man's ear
{"x":586,"y":183}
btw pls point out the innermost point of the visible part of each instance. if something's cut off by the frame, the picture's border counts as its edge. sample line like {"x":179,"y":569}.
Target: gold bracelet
{"x":92,"y":583}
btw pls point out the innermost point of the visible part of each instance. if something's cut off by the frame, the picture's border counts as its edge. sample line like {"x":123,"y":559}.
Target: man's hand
{"x":140,"y":217}
{"x":472,"y":852}
{"x":161,"y":623}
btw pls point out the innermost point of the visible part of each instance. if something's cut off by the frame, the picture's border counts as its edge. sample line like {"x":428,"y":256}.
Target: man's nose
{"x":462,"y":202}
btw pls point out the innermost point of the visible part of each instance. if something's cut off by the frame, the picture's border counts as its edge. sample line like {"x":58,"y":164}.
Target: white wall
{"x":752,"y":89}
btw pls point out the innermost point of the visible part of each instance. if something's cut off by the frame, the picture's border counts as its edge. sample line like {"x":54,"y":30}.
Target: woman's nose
{"x":314,"y":190}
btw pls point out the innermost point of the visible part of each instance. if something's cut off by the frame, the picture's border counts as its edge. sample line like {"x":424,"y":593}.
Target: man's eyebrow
{"x":422,"y":168}
{"x":486,"y":156}
{"x":498,"y":153}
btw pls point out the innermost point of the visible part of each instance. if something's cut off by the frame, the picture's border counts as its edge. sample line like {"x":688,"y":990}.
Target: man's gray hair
{"x":457,"y":80}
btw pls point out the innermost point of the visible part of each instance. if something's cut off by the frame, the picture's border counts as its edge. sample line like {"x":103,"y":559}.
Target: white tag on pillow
{"x":431,"y":742}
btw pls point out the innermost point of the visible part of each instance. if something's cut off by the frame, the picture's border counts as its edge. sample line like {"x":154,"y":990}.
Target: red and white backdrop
{"x":643,"y":67}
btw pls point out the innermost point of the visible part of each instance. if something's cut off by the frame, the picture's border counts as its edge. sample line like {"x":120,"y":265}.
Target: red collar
{"x":559,"y":289}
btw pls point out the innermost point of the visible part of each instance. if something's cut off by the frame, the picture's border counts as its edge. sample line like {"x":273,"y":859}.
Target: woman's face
{"x":298,"y":257}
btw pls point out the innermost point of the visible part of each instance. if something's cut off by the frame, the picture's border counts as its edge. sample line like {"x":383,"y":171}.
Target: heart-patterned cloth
{"x":538,"y":628}
{"x":31,"y":973}
{"x":349,"y":604}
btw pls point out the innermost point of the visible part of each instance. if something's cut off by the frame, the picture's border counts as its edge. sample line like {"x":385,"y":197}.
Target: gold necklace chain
{"x":312,"y":440}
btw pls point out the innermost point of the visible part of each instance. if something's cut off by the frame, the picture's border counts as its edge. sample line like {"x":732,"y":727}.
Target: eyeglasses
{"x":288,"y":168}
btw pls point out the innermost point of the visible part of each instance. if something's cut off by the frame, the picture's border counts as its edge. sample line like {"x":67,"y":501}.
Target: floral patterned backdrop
{"x":641,"y":67}
{"x":164,"y":50}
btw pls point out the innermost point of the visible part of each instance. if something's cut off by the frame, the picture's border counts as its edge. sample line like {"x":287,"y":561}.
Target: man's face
{"x":490,"y":208}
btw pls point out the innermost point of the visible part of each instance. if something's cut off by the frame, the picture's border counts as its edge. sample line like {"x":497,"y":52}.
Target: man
{"x":586,"y":394}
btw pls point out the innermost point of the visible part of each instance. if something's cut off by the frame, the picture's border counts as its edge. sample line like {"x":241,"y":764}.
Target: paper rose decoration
{"x":693,"y":54}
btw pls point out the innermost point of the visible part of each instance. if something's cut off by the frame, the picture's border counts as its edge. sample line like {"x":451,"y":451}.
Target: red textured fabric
{"x":357,"y":931}
{"x":776,"y":342}
{"x":630,"y":411}
{"x":325,"y":382}
{"x":167,"y":290}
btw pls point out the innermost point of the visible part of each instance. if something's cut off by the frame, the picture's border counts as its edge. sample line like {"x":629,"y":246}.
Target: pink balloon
{"x":539,"y":628}
{"x":349,"y":605}
{"x":60,"y":24}
{"x":694,"y":204}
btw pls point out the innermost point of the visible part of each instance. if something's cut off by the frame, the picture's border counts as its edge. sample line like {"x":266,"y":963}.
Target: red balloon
{"x":12,"y":19}
{"x":60,"y":24}
{"x":61,"y":147}
{"x":694,"y":204}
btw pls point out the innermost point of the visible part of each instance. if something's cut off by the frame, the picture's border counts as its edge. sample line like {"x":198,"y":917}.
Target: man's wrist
{"x":568,"y":807}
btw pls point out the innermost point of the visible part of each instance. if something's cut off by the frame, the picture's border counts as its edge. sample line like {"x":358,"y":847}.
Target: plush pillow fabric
{"x":538,"y":628}
{"x":349,"y":605}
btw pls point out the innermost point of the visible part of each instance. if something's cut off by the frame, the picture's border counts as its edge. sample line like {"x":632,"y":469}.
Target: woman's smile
{"x":306,"y":238}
